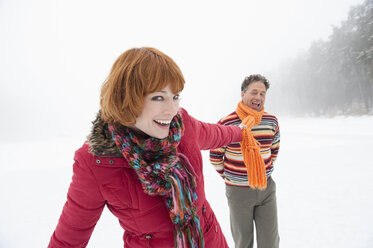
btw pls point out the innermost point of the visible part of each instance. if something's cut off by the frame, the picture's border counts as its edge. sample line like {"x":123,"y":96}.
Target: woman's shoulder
{"x":187,"y":118}
{"x":183,"y":112}
{"x":84,"y":154}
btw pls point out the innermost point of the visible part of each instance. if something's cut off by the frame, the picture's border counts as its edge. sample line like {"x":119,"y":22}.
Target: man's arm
{"x":275,"y":147}
{"x":217,"y":159}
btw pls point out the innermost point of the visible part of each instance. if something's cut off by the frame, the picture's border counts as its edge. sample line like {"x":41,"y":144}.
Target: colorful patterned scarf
{"x":165,"y":172}
{"x":250,"y":147}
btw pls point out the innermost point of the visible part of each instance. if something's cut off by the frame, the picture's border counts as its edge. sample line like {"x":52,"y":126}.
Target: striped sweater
{"x":228,"y":160}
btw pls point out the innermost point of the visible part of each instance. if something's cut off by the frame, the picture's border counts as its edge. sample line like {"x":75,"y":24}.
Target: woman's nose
{"x":171,"y":108}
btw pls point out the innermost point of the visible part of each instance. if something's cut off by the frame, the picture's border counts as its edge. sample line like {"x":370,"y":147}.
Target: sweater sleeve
{"x":275,"y":147}
{"x":211,"y":136}
{"x":81,"y":211}
{"x":217,"y":159}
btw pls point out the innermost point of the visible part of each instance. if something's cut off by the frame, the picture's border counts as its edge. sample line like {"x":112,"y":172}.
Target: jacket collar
{"x":100,"y":140}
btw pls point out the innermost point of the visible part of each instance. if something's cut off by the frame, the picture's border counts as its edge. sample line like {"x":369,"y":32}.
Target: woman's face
{"x":159,"y":109}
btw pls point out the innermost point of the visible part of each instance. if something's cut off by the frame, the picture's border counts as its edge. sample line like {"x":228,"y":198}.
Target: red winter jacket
{"x":103,"y":177}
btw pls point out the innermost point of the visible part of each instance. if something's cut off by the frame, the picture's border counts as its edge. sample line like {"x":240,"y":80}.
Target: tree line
{"x":333,"y":77}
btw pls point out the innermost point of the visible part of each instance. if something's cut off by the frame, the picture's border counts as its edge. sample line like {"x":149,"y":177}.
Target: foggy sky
{"x":54,"y":55}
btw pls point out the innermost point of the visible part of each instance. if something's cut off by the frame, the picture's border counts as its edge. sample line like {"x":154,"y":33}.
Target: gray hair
{"x":254,"y":78}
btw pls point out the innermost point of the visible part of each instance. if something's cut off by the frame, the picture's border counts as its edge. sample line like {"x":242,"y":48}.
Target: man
{"x":251,"y":200}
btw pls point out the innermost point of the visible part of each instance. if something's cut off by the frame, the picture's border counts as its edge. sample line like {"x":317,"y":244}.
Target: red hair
{"x":136,"y":73}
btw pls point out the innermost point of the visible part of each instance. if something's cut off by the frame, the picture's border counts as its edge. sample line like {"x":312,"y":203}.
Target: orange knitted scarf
{"x":250,"y":147}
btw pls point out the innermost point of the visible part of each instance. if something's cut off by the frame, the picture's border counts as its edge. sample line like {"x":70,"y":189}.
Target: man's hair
{"x":136,"y":73}
{"x":254,"y":78}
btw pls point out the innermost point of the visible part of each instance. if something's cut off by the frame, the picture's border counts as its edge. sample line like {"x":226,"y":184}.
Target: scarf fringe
{"x":251,"y":154}
{"x":188,"y":230}
{"x":189,"y":236}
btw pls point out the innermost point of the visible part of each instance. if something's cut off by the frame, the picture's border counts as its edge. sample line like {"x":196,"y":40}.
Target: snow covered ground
{"x":323,"y":175}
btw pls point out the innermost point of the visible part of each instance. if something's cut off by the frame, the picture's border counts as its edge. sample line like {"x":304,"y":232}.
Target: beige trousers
{"x":248,"y":206}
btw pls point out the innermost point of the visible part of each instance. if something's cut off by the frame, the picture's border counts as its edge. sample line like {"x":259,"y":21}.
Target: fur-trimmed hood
{"x":100,"y":141}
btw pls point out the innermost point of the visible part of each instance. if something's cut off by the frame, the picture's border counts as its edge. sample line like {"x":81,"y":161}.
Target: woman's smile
{"x":159,"y":109}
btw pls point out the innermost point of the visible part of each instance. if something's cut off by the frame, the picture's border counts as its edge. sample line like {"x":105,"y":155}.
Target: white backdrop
{"x":54,"y":56}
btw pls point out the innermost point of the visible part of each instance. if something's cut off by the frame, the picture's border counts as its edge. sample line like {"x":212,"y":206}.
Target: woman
{"x":143,"y":161}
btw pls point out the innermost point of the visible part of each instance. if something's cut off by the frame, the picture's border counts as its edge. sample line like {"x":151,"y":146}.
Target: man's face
{"x":255,"y":95}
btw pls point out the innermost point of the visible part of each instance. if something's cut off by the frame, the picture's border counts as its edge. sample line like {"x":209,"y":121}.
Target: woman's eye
{"x":157,"y":98}
{"x":176,"y":97}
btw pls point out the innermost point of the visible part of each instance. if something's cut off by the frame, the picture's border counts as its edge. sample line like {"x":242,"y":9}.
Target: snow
{"x":323,"y":176}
